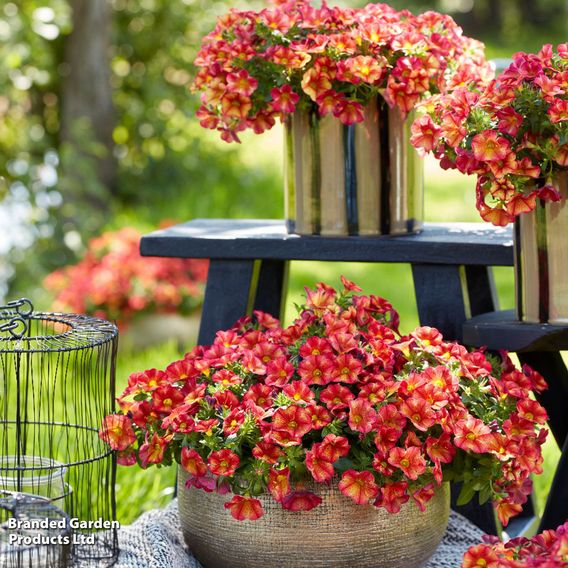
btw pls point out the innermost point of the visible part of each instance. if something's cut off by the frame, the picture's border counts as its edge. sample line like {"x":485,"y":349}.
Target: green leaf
{"x":466,"y":494}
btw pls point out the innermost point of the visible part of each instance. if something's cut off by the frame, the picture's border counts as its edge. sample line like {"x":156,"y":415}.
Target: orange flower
{"x":365,"y":68}
{"x":301,"y":501}
{"x":152,"y":452}
{"x":336,"y":396}
{"x":393,"y":496}
{"x":481,"y":555}
{"x":315,"y":83}
{"x":192,"y":462}
{"x":440,"y":449}
{"x":267,"y":452}
{"x":334,"y":447}
{"x":294,"y":420}
{"x":236,"y":106}
{"x":316,"y":370}
{"x":284,"y":99}
{"x":532,"y":411}
{"x":279,"y":483}
{"x":346,"y":369}
{"x":359,"y":486}
{"x":419,"y":412}
{"x":242,"y":83}
{"x":223,"y":462}
{"x":410,"y":461}
{"x":318,"y":466}
{"x":362,"y":416}
{"x":349,"y":112}
{"x":506,"y":510}
{"x":472,"y":435}
{"x":488,"y":146}
{"x":117,"y":432}
{"x":320,"y":416}
{"x":425,"y":135}
{"x":244,"y":508}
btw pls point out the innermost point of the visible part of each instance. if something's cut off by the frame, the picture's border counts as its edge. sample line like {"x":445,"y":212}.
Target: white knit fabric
{"x":155,"y":541}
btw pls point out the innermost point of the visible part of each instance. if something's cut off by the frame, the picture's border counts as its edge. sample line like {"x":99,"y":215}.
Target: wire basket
{"x":57,"y":375}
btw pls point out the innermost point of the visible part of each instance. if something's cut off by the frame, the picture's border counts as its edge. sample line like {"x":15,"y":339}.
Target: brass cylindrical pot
{"x":337,"y":534}
{"x":363,"y":179}
{"x":541,"y":267}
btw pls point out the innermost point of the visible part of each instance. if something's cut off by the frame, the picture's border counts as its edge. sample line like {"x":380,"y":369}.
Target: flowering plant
{"x":513,"y":133}
{"x":114,"y":282}
{"x":257,"y":66}
{"x":338,"y":393}
{"x":546,"y":550}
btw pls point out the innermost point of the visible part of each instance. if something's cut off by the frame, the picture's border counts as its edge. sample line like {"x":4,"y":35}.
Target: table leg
{"x":271,"y":287}
{"x":440,"y":298}
{"x":556,"y":510}
{"x":481,"y":292}
{"x":228,"y":296}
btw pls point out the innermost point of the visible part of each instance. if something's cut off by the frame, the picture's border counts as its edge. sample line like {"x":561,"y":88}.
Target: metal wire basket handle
{"x":23,"y":309}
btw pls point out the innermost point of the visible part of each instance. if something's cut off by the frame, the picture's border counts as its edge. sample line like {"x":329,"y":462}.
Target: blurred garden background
{"x":98,"y":134}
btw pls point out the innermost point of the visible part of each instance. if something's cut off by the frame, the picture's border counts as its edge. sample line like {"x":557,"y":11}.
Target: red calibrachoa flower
{"x":223,"y":462}
{"x":472,"y":434}
{"x":510,"y":132}
{"x":294,"y":420}
{"x":548,"y":549}
{"x":301,"y":501}
{"x":362,"y":416}
{"x":114,"y":282}
{"x":409,"y":461}
{"x":255,"y":67}
{"x":481,"y":555}
{"x":117,"y":432}
{"x":192,"y":462}
{"x":152,"y":452}
{"x":393,"y":496}
{"x":245,"y":508}
{"x":320,"y":468}
{"x":392,"y":416}
{"x":359,"y":486}
{"x":279,"y":483}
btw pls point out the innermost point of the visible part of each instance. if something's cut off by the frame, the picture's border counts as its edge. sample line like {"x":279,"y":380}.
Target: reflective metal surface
{"x":541,"y":262}
{"x":337,"y":534}
{"x":364,"y":179}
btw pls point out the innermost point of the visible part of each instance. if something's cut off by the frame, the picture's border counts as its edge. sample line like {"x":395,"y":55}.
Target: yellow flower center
{"x":404,"y":462}
{"x":471,"y":436}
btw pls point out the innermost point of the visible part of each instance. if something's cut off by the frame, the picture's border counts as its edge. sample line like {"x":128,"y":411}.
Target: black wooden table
{"x":249,"y":260}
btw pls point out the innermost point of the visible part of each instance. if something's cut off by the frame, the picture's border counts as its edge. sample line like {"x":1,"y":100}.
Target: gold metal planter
{"x":541,"y":260}
{"x":337,"y":534}
{"x":364,"y":179}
